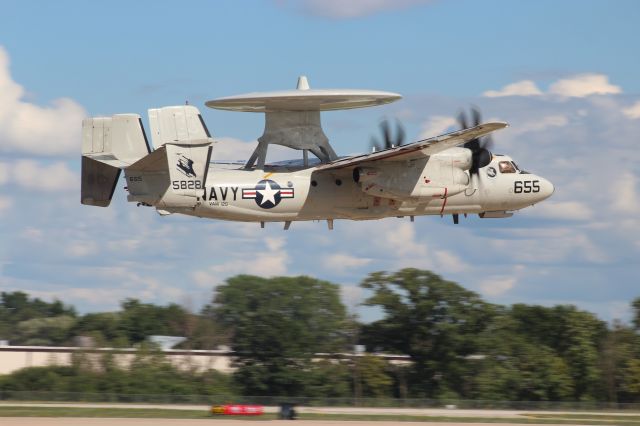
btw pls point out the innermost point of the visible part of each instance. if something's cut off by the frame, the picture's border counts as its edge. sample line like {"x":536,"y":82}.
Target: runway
{"x":445,"y":412}
{"x":107,"y":414}
{"x":47,"y":421}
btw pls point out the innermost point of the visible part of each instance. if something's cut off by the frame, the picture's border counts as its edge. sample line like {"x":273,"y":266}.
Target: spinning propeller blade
{"x":388,"y":140}
{"x":481,"y":156}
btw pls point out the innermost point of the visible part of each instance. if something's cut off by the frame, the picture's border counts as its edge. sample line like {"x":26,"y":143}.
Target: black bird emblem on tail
{"x":185,"y":166}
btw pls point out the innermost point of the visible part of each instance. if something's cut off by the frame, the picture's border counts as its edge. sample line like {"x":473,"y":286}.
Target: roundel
{"x":267,"y":193}
{"x":491,"y":172}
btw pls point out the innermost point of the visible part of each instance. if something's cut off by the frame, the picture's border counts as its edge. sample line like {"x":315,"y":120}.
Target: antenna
{"x":303,"y":83}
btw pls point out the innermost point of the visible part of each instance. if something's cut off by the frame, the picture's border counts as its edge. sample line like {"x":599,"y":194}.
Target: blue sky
{"x":564,"y":74}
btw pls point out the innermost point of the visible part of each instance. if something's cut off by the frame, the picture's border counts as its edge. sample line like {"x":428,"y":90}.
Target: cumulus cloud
{"x":401,"y":239}
{"x":342,"y":262}
{"x":565,"y":210}
{"x":271,"y":261}
{"x":81,"y":248}
{"x":436,"y":125}
{"x":577,"y":86}
{"x":340,"y":9}
{"x":352,"y":295}
{"x":27,"y":127}
{"x":4,"y":173}
{"x":583,"y":85}
{"x":520,"y":88}
{"x":449,"y":262}
{"x":626,"y":198}
{"x":539,"y":124}
{"x":497,"y":285}
{"x":633,"y":112}
{"x":231,"y":149}
{"x":36,"y":175}
{"x":5,"y":203}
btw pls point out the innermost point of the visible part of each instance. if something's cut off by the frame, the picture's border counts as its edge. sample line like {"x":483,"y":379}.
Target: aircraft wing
{"x":423,"y":148}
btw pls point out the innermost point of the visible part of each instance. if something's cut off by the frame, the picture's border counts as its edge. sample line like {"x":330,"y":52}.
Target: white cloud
{"x":566,"y":210}
{"x":625,"y":197}
{"x":5,"y":203}
{"x":520,"y":88}
{"x":81,"y":248}
{"x":342,"y":262}
{"x":583,"y":85}
{"x":436,"y":125}
{"x":4,"y":173}
{"x":352,"y":295}
{"x":341,"y":9}
{"x":36,"y":175}
{"x":450,"y":262}
{"x":127,"y":244}
{"x":264,"y":263}
{"x":231,"y":149}
{"x":400,"y":238}
{"x":633,"y":111}
{"x":497,"y":285}
{"x":26,"y":127}
{"x":540,"y":124}
{"x":555,"y":245}
{"x":577,"y":86}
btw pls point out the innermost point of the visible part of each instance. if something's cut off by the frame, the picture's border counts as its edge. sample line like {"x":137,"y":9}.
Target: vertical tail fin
{"x":173,"y":175}
{"x":178,"y":125}
{"x":109,"y":144}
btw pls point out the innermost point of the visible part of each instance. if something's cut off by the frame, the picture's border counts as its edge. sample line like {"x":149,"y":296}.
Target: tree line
{"x":459,"y":345}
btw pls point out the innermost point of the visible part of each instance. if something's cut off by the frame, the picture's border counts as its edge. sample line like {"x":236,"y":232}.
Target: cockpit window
{"x":506,"y":167}
{"x":516,"y":166}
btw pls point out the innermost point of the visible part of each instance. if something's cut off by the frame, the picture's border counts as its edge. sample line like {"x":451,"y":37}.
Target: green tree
{"x":511,"y":367}
{"x":16,"y":307}
{"x":618,"y":363}
{"x":104,"y":327}
{"x":434,"y":321}
{"x":574,"y":335}
{"x":635,"y":306}
{"x":373,"y":376}
{"x":138,"y":321}
{"x":277,"y":325}
{"x":44,"y":331}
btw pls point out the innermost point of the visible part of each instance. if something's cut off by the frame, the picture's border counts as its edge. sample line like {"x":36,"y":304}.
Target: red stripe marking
{"x":444,"y":203}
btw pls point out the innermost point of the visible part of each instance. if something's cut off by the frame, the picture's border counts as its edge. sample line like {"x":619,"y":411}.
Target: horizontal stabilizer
{"x":118,"y":140}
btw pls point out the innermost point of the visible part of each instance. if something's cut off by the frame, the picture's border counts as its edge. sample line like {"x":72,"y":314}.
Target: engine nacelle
{"x":364,"y":174}
{"x":459,"y":158}
{"x":442,"y":176}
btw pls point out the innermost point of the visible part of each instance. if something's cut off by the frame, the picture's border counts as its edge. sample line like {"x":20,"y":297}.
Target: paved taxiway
{"x":445,"y":412}
{"x":47,"y":421}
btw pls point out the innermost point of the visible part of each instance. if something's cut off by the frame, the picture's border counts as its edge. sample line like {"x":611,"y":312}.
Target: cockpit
{"x":509,"y":166}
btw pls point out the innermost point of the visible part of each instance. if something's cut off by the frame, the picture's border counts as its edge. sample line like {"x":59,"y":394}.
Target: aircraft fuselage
{"x":311,"y":194}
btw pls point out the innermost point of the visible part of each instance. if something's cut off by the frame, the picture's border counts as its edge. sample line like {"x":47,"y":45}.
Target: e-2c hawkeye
{"x":450,"y":174}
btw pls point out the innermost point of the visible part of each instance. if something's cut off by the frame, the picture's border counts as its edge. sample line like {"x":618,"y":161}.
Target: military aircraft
{"x":451,"y":174}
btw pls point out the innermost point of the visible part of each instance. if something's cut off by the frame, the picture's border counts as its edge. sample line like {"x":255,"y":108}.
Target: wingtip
{"x":496,"y":124}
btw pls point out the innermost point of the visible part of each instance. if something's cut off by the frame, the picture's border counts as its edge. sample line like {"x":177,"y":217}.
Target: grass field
{"x":528,"y":418}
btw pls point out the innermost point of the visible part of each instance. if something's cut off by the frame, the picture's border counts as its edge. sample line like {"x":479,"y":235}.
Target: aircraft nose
{"x":546,"y":189}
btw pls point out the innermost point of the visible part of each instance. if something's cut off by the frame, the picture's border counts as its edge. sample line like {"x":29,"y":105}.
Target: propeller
{"x":481,"y":156}
{"x":388,"y":140}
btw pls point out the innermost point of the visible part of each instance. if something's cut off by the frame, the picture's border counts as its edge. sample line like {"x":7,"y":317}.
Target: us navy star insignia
{"x":267,"y":193}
